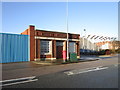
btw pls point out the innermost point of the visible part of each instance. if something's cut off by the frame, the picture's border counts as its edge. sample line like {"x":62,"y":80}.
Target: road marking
{"x":84,"y":70}
{"x":18,"y":79}
{"x":19,"y":82}
{"x":116,"y":65}
{"x":70,"y":73}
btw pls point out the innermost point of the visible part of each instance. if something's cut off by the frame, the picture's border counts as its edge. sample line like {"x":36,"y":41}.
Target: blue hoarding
{"x":14,"y":48}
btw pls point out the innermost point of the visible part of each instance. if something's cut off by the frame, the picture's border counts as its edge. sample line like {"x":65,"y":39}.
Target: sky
{"x":98,"y":18}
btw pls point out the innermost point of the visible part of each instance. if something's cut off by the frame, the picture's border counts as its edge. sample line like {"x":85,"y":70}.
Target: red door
{"x":59,"y":50}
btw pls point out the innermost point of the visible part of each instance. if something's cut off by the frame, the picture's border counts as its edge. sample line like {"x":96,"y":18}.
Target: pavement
{"x":89,"y":58}
{"x":83,"y":58}
{"x":94,"y":57}
{"x":58,"y":62}
{"x":25,"y":69}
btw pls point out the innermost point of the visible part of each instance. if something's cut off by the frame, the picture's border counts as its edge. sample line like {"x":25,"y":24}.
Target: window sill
{"x":45,"y":53}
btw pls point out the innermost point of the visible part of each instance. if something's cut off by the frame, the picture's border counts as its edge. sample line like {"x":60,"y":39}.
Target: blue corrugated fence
{"x":14,"y":48}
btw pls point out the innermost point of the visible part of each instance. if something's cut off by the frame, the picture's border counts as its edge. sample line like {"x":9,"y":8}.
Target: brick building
{"x":50,"y":44}
{"x":108,"y":45}
{"x":105,"y":45}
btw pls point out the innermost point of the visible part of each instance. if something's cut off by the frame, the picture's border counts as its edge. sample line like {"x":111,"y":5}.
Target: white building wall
{"x":87,"y":44}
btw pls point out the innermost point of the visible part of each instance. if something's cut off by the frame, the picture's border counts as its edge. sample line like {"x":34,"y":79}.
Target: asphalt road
{"x":105,"y":76}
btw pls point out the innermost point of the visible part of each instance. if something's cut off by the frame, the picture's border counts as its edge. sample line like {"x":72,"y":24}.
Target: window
{"x":59,"y":43}
{"x":45,"y":47}
{"x":72,"y":47}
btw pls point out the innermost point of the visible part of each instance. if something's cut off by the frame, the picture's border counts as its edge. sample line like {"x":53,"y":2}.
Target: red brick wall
{"x":78,"y":48}
{"x":31,"y":31}
{"x":37,"y":48}
{"x":41,"y":33}
{"x":74,"y":36}
{"x":50,"y":34}
{"x":35,"y":44}
{"x":54,"y":48}
{"x":32,"y":42}
{"x":25,"y":32}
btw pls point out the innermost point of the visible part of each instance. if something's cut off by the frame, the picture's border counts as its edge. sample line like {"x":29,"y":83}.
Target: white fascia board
{"x":36,"y":37}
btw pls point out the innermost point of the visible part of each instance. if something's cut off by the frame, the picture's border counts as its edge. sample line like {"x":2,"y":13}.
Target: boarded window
{"x":59,"y":43}
{"x":72,"y":47}
{"x":45,"y":46}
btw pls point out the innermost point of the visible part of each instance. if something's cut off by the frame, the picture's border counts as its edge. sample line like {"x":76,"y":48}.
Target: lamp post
{"x":88,"y":43}
{"x":84,"y":39}
{"x":67,"y":31}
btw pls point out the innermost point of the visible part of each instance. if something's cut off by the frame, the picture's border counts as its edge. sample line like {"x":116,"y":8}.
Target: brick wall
{"x":31,"y":31}
{"x":42,"y":33}
{"x":35,"y":44}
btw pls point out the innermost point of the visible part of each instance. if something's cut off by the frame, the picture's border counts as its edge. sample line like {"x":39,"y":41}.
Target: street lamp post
{"x":84,"y":39}
{"x":83,"y":43}
{"x":67,"y":32}
{"x":88,"y":43}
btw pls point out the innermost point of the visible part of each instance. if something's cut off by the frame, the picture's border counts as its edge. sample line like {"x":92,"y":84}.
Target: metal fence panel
{"x":14,"y":48}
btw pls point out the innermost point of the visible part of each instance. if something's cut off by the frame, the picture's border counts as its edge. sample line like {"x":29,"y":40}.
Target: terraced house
{"x":50,"y":44}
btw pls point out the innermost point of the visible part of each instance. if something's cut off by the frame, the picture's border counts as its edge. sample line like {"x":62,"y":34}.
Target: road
{"x":101,"y":75}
